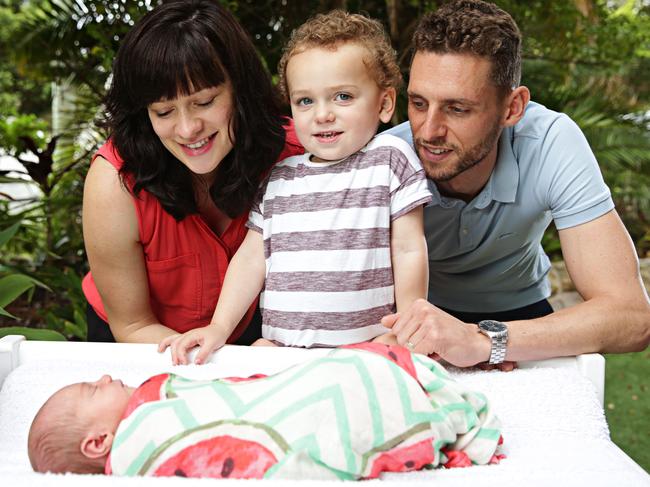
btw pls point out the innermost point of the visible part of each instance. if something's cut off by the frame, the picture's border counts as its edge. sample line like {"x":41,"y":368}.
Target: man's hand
{"x":503,"y":366}
{"x":427,"y":329}
{"x":209,"y":339}
{"x":386,"y":339}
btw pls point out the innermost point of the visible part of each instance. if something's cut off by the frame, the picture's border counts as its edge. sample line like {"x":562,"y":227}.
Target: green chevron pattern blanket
{"x":352,"y":414}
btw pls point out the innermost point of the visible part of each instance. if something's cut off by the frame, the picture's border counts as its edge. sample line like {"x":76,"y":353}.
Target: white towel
{"x":554,"y":428}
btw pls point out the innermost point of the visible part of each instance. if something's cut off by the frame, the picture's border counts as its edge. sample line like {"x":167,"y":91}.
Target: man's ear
{"x":97,"y":445}
{"x":388,"y":99}
{"x":515,"y":106}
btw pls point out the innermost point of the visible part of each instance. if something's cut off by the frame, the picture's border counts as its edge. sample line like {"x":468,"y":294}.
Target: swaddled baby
{"x":352,"y":414}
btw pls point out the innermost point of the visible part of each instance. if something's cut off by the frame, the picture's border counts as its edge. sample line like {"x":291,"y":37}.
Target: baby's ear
{"x":388,"y":99}
{"x":97,"y":445}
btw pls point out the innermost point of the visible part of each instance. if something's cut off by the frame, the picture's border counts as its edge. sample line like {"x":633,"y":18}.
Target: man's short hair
{"x":478,"y":28}
{"x":335,"y":28}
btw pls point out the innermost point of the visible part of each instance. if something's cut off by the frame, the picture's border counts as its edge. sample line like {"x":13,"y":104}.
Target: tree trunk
{"x":327,"y":5}
{"x":392,"y":11}
{"x":585,"y":7}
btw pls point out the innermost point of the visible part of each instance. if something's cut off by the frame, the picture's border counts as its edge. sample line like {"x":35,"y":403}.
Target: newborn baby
{"x":360,"y":410}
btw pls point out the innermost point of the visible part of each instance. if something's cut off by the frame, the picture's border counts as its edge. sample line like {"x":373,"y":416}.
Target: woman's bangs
{"x":180,"y":65}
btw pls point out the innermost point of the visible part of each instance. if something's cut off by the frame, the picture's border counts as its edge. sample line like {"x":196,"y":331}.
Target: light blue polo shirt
{"x":486,"y":255}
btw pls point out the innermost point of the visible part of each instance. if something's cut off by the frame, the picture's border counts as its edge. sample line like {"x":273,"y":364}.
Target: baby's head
{"x":74,"y":430}
{"x":340,"y":76}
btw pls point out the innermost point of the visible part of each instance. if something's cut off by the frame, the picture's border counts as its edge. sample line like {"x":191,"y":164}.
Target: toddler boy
{"x":336,"y":240}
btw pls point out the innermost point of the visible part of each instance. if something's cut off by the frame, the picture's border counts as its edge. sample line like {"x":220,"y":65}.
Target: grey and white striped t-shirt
{"x":326,"y":230}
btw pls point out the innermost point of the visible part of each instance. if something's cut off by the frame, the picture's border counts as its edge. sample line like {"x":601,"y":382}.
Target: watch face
{"x":493,"y":326}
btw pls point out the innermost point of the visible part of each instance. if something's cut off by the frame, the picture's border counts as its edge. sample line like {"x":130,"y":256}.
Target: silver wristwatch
{"x":497,"y":332}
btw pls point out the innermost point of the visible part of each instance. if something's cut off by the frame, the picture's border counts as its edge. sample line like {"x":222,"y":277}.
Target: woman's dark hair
{"x":179,"y":47}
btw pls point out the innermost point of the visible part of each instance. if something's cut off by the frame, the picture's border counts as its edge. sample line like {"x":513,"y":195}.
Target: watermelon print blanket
{"x":359,"y":411}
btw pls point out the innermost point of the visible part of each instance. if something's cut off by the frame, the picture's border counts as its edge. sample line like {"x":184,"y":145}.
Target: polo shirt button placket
{"x":464,"y":233}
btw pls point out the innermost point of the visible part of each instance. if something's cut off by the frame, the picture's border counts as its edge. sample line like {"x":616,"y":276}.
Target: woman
{"x":194,"y":126}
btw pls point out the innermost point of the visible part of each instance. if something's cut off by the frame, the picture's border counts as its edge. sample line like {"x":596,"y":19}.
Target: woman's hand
{"x":209,"y":339}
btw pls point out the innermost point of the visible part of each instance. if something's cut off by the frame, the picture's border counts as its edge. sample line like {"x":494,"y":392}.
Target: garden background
{"x":587,"y":58}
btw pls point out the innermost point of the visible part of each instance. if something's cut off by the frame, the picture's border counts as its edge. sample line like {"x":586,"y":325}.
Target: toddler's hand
{"x":263,"y":342}
{"x":208,"y":339}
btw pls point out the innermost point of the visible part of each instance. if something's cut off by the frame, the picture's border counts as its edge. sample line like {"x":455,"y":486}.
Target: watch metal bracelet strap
{"x":498,"y":351}
{"x":497,"y":332}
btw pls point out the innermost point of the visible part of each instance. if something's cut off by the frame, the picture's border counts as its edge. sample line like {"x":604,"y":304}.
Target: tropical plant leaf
{"x":33,"y":333}
{"x":7,"y":233}
{"x":4,"y":312}
{"x":73,"y":329}
{"x":16,"y":180}
{"x":13,"y":286}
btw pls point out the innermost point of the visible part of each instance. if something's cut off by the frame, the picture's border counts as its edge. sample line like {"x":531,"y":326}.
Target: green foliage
{"x":627,"y":404}
{"x":17,"y":94}
{"x":11,"y":287}
{"x":67,"y":315}
{"x":13,"y":128}
{"x":7,"y":233}
{"x":622,"y":147}
{"x":32,"y":333}
{"x":593,"y":63}
{"x":48,"y":247}
{"x":12,"y":284}
{"x":68,"y":43}
{"x":82,"y":35}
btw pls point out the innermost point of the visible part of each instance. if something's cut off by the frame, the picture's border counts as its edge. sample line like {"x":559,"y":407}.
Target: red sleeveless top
{"x":186,"y":261}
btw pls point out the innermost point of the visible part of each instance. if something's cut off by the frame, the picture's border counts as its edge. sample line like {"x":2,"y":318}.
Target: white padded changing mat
{"x":553,"y":425}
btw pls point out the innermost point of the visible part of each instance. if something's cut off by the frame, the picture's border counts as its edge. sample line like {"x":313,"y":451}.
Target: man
{"x":501,"y":169}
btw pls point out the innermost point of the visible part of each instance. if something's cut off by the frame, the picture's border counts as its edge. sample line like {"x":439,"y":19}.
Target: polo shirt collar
{"x":439,"y":200}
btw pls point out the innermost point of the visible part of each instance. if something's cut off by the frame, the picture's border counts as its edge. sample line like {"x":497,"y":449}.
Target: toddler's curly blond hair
{"x":335,"y":28}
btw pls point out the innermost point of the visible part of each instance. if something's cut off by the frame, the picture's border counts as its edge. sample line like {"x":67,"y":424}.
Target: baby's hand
{"x":209,"y":339}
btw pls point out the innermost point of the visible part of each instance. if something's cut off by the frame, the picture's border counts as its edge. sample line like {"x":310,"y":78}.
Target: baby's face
{"x":102,"y":402}
{"x":335,"y":101}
